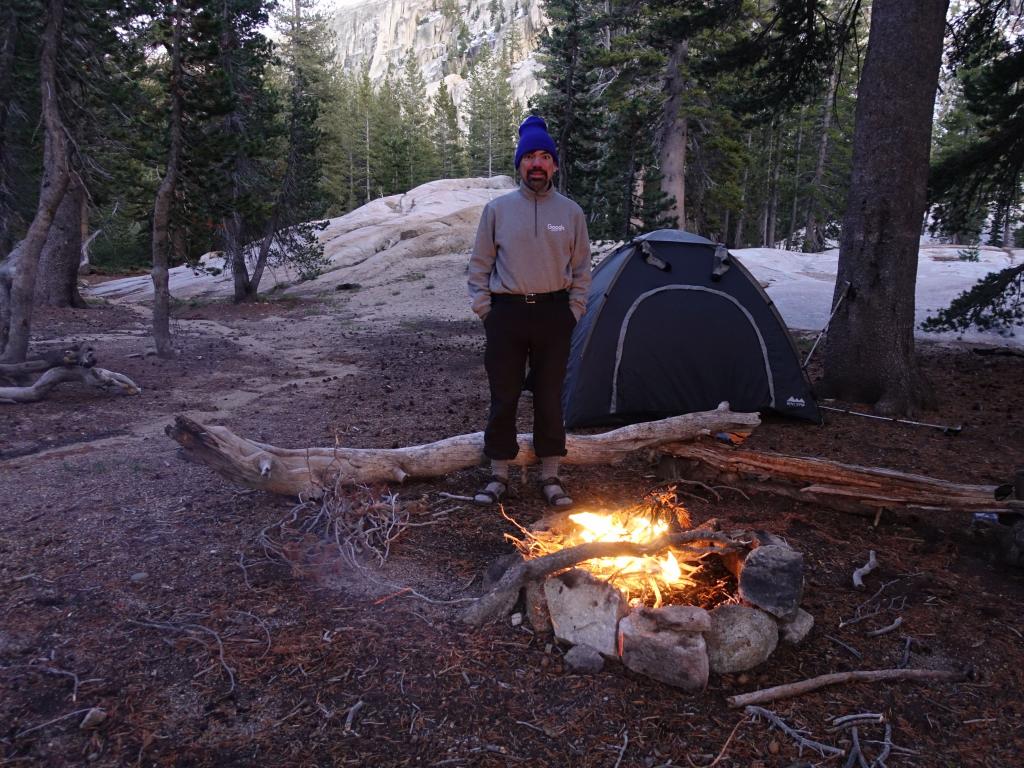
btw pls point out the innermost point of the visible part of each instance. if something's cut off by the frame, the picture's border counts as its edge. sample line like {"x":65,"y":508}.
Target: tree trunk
{"x":741,"y":215}
{"x":814,"y":238}
{"x":869,"y":353}
{"x":674,"y":137}
{"x":164,"y":202}
{"x":57,"y":279}
{"x":55,"y":181}
{"x":773,"y":188}
{"x":796,"y":181}
{"x":8,"y":38}
{"x":308,"y":471}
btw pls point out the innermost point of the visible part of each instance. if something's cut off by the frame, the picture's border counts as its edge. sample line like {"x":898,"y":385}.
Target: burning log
{"x":504,"y":594}
{"x":845,"y":487}
{"x":308,"y":471}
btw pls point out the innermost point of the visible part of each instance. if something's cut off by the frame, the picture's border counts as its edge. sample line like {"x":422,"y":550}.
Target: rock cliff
{"x":443,"y":35}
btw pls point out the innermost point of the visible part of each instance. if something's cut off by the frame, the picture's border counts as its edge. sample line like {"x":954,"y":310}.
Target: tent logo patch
{"x":795,"y":402}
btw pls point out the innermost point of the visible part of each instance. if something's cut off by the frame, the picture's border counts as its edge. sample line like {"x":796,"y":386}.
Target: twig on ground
{"x":54,"y":671}
{"x":801,"y":740}
{"x":188,"y":629}
{"x":721,"y":752}
{"x":622,"y":751}
{"x":861,"y":718}
{"x":864,"y":570}
{"x":879,"y":762}
{"x":27,"y":731}
{"x":789,"y":690}
{"x":886,"y":629}
{"x":856,"y":756}
{"x":455,"y":496}
{"x":352,"y":712}
{"x":850,"y":648}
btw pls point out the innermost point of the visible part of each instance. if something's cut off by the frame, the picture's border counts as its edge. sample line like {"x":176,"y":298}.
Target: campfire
{"x":661,"y":578}
{"x":643,"y":586}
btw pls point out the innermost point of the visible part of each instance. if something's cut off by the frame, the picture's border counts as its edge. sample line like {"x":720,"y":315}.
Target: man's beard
{"x":537,"y":181}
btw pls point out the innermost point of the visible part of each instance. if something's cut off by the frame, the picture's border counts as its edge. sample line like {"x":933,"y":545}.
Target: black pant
{"x":517,"y":334}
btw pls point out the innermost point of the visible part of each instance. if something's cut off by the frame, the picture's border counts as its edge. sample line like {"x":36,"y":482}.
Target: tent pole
{"x":842,"y":295}
{"x":946,"y":429}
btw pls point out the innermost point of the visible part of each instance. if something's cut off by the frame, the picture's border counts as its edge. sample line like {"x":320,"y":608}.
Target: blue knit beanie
{"x":533,"y":135}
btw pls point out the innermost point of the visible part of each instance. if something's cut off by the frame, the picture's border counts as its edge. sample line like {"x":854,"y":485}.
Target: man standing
{"x":528,"y":280}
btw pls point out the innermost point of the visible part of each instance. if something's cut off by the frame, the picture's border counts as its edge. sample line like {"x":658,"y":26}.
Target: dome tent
{"x":675,"y":324}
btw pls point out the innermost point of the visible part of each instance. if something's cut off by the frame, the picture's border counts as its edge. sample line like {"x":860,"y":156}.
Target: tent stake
{"x":946,"y":430}
{"x":842,"y":295}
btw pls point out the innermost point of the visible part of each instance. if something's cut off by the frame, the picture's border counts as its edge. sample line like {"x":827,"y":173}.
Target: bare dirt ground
{"x":135,"y":582}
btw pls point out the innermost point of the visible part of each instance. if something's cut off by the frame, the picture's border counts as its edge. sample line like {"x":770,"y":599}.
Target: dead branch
{"x":308,"y":471}
{"x":864,"y":570}
{"x":845,"y":487}
{"x":886,"y":629}
{"x":788,"y":690}
{"x":801,"y":740}
{"x":721,"y":752}
{"x":501,"y":598}
{"x":94,"y":377}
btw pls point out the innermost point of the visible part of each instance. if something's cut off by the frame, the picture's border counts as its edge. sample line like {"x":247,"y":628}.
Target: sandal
{"x":554,"y":494}
{"x":491,"y":493}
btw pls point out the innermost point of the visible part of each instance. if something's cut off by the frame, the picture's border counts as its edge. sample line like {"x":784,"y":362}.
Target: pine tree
{"x":446,"y":136}
{"x":423,"y":162}
{"x":492,"y":117}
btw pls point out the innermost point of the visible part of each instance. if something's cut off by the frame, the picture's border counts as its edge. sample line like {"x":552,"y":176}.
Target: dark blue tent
{"x":675,"y":324}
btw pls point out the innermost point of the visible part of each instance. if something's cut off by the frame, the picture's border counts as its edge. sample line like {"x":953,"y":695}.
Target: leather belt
{"x":529,"y":298}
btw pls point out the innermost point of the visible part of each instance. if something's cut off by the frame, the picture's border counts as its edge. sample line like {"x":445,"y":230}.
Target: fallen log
{"x":93,"y":377}
{"x":503,"y":596}
{"x":308,"y":471}
{"x":842,"y":486}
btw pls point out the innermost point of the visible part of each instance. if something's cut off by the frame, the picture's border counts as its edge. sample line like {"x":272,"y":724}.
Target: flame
{"x":631,"y":572}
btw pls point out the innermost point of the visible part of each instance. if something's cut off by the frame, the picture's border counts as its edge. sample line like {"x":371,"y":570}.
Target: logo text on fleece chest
{"x":556,"y":227}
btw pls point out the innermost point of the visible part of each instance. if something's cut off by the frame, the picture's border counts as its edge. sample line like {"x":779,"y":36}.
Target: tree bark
{"x":869,"y":352}
{"x":56,"y":175}
{"x":308,"y":471}
{"x":57,"y":279}
{"x":164,"y":203}
{"x":814,"y":237}
{"x":8,"y":39}
{"x":674,"y":136}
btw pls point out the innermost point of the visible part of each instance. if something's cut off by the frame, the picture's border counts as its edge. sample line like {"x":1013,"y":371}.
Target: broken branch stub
{"x":308,"y":471}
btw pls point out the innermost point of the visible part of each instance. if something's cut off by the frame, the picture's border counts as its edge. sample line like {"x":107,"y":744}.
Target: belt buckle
{"x":530,"y":298}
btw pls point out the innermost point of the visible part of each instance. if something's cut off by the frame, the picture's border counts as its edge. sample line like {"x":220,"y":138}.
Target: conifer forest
{"x":232,"y":231}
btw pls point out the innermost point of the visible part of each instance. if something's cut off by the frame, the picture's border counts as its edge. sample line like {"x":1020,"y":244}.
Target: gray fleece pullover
{"x":530,"y":242}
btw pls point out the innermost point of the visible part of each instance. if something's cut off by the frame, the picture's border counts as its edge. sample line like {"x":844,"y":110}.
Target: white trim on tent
{"x":643,"y":296}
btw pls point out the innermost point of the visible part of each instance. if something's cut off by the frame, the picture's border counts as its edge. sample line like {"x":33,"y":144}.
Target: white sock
{"x":549,"y":466}
{"x":499,"y":468}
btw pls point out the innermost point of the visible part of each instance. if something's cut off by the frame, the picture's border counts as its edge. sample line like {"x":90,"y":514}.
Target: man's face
{"x":536,"y":169}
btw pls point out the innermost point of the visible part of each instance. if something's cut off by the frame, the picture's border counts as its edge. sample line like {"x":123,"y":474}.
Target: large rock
{"x":667,"y":648}
{"x":380,"y":34}
{"x":794,"y":631}
{"x":773,"y":580}
{"x":740,"y":638}
{"x":584,"y":659}
{"x":585,"y":610}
